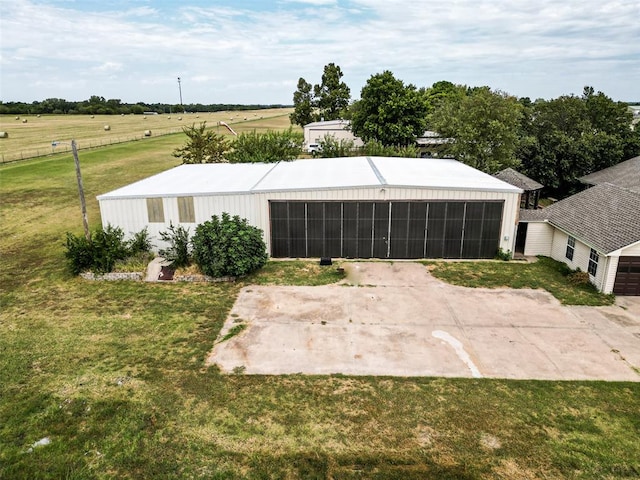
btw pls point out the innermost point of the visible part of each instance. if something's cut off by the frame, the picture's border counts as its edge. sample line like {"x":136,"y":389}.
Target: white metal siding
{"x":131,"y":214}
{"x":317,"y":134}
{"x":609,"y":273}
{"x":580,"y":258}
{"x":632,"y":251}
{"x":539,"y":239}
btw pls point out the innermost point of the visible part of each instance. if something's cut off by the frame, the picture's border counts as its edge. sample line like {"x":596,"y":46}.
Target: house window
{"x":155,"y":210}
{"x":571,"y":246}
{"x":593,"y":262}
{"x":186,"y":212}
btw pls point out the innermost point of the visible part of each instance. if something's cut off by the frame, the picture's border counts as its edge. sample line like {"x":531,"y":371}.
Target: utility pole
{"x":83,"y":205}
{"x":180,"y":89}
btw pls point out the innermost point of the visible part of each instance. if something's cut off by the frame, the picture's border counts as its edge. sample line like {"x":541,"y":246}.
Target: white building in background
{"x":315,"y":132}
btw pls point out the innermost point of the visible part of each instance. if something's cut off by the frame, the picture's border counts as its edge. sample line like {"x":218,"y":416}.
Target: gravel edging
{"x":139,"y":276}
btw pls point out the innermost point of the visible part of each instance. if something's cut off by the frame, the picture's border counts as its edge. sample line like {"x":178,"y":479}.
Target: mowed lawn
{"x":34,"y":138}
{"x":113,"y":375}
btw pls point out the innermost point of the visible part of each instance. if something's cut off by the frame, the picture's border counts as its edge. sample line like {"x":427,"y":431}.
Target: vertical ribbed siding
{"x":131,"y":214}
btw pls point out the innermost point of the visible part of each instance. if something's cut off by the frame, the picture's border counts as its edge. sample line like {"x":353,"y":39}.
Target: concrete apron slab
{"x":396,"y":319}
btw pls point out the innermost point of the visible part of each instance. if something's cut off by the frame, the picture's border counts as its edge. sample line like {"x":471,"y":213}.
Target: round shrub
{"x":228,"y":246}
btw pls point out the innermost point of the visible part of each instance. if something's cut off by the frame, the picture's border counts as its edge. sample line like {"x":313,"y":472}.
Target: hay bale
{"x":24,"y":120}
{"x":4,"y":134}
{"x":179,"y":118}
{"x":169,"y":117}
{"x":92,"y":116}
{"x":107,"y":128}
{"x":122,"y":114}
{"x":38,"y":115}
{"x":17,"y":118}
{"x":144,"y":118}
{"x":147,"y":133}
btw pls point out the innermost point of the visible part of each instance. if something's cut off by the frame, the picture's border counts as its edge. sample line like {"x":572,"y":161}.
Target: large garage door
{"x":627,"y":276}
{"x":385,"y":229}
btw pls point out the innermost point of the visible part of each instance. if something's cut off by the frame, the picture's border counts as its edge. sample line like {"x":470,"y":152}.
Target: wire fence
{"x":65,"y":147}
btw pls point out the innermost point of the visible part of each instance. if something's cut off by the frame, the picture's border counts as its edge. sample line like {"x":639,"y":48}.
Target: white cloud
{"x":543,"y":48}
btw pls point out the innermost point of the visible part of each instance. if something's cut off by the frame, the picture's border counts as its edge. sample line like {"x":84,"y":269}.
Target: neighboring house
{"x":315,"y":132}
{"x":596,"y":230}
{"x":531,"y":188}
{"x":353,"y":207}
{"x":625,"y":174}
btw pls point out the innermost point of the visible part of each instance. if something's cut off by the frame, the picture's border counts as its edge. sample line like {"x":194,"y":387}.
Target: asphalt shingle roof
{"x":606,"y":216}
{"x":625,"y":174}
{"x":517,"y":179}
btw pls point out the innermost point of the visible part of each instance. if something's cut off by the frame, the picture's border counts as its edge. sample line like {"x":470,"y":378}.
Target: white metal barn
{"x":355,"y":207}
{"x":338,"y":129}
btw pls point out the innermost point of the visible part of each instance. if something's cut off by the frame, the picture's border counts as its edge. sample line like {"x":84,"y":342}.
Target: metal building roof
{"x":200,"y":179}
{"x":312,"y":174}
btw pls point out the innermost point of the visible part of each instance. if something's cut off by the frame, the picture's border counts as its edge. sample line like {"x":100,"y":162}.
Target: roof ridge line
{"x":264,"y":176}
{"x":381,"y":179}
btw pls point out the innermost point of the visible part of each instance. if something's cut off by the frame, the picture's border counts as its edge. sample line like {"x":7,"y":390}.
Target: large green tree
{"x":332,"y":95}
{"x":389,"y":111}
{"x":303,"y":104}
{"x":569,"y":136}
{"x":483,"y":125}
{"x":202,"y":146}
{"x":327,"y":100}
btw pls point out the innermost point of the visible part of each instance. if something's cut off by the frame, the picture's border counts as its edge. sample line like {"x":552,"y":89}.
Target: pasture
{"x":34,"y":138}
{"x":113,"y":375}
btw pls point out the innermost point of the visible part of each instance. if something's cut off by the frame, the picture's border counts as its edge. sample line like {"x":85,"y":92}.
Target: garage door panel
{"x":315,"y":229}
{"x":435,"y":229}
{"x":453,"y":230}
{"x":350,"y":230}
{"x":297,"y":229}
{"x":627,"y":280}
{"x":399,"y":230}
{"x":279,"y":229}
{"x":381,"y":229}
{"x":417,"y":229}
{"x":333,"y":230}
{"x":365,"y":230}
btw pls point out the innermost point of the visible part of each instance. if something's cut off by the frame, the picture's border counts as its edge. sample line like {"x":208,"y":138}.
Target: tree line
{"x":553,"y":141}
{"x":97,"y":105}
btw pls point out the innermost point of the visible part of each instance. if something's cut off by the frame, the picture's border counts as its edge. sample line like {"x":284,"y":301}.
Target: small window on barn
{"x":571,"y":246}
{"x":155,"y":210}
{"x":593,"y":262}
{"x":186,"y":212}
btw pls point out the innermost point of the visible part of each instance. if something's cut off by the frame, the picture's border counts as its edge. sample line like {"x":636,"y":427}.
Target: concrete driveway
{"x":396,"y":319}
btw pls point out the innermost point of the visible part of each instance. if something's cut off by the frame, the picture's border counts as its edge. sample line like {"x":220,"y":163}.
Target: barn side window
{"x":571,"y":246}
{"x":186,"y":212}
{"x":593,"y":262}
{"x":155,"y":210}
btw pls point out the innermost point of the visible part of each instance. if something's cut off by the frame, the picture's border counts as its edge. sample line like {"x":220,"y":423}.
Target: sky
{"x":254,"y":52}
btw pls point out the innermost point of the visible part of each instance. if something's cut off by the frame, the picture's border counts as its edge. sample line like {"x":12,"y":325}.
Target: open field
{"x":113,"y":374}
{"x":34,"y":138}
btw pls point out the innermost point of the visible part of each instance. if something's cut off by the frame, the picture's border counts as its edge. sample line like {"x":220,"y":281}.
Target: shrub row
{"x":223,"y":246}
{"x":106,"y":246}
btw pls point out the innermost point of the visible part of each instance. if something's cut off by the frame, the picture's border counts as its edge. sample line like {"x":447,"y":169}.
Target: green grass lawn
{"x":113,"y":374}
{"x":546,"y":274}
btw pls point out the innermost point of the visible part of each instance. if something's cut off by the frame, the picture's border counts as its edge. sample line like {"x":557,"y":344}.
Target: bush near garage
{"x":228,"y":246}
{"x":178,"y":249}
{"x":106,"y":247}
